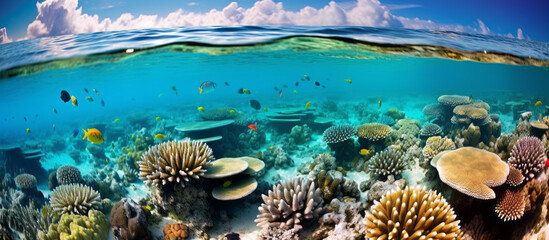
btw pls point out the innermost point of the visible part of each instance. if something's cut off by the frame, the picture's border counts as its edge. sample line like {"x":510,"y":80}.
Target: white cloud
{"x":4,"y":36}
{"x":520,"y":35}
{"x":58,"y":17}
{"x":192,"y":3}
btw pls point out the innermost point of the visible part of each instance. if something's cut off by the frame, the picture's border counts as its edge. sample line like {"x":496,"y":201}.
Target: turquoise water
{"x":404,"y":69}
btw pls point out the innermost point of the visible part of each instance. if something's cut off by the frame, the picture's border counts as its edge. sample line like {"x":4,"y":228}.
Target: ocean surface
{"x":148,"y":80}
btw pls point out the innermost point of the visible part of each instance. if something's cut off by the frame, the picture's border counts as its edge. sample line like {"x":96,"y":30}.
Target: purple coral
{"x":339,"y":133}
{"x":528,"y":155}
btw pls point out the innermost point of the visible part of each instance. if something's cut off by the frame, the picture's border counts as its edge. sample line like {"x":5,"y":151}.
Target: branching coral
{"x":336,"y":134}
{"x":429,"y":130}
{"x":25,"y":181}
{"x":413,"y":213}
{"x":174,"y":161}
{"x":74,"y":199}
{"x":511,"y":205}
{"x":435,"y":145}
{"x":387,"y":162}
{"x":528,"y":156}
{"x":68,"y":174}
{"x":289,"y":203}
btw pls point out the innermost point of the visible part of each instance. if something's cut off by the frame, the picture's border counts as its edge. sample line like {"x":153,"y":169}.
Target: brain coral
{"x":412,"y":213}
{"x":511,"y":205}
{"x":25,"y":181}
{"x":429,"y":130}
{"x":74,"y":198}
{"x":289,"y":203}
{"x":453,"y":100}
{"x":471,"y":171}
{"x":174,"y":161}
{"x":373,"y":131}
{"x":339,"y":133}
{"x":68,"y":174}
{"x":388,"y":162}
{"x":528,"y":155}
{"x":471,"y":111}
{"x":95,"y":226}
{"x":435,"y":145}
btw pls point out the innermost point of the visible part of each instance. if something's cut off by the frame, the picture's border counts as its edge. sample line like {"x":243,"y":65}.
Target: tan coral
{"x":412,"y":213}
{"x":515,"y":177}
{"x":511,"y":205}
{"x":373,"y":131}
{"x":226,"y":167}
{"x":471,"y":111}
{"x":471,"y":171}
{"x":174,"y":161}
{"x":176,"y":231}
{"x":436,"y":145}
{"x":235,"y":190}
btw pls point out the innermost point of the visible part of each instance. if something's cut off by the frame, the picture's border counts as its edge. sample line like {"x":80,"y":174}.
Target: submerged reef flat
{"x":443,"y":167}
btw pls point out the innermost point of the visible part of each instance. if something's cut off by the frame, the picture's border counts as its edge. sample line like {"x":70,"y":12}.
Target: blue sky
{"x":501,"y":17}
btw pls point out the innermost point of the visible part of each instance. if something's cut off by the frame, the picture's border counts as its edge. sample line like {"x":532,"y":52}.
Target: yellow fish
{"x":93,"y":135}
{"x":89,"y":98}
{"x":364,"y":152}
{"x":348,"y":80}
{"x":28,"y":130}
{"x":308,"y":105}
{"x":265,"y":109}
{"x":247,"y":91}
{"x":148,"y":207}
{"x":74,"y":101}
{"x":538,"y":104}
{"x":232,"y":111}
{"x":129,"y":153}
{"x":379,"y":102}
{"x":159,"y":136}
{"x":117,"y":120}
{"x":157,"y":119}
{"x":201,"y":109}
{"x":54,"y":126}
{"x":227,"y":184}
{"x":107,"y":160}
{"x":271,"y":147}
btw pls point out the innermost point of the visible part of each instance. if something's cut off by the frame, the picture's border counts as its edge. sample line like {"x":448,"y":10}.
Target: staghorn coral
{"x":511,"y":205}
{"x":429,"y":130}
{"x":336,"y":134}
{"x":528,"y":155}
{"x":387,"y":162}
{"x":373,"y":131}
{"x":412,"y":213}
{"x":68,"y":174}
{"x":453,"y":100}
{"x":74,"y":199}
{"x":515,"y":177}
{"x":435,"y":145}
{"x":176,"y":231}
{"x":289,"y":203}
{"x":25,"y":181}
{"x":174,"y":161}
{"x":94,"y":226}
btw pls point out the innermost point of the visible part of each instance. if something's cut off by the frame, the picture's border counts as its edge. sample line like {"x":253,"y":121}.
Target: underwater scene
{"x":274,"y":133}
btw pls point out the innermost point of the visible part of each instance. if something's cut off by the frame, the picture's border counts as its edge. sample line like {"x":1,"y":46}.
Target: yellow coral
{"x":75,"y":227}
{"x":373,"y":131}
{"x":435,"y":145}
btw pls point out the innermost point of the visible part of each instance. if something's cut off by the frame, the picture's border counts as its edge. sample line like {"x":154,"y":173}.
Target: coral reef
{"x":94,"y":226}
{"x":430,"y":130}
{"x":337,"y":134}
{"x":373,"y":131}
{"x":25,"y":181}
{"x":387,"y":120}
{"x":299,"y":135}
{"x":276,"y":233}
{"x":324,"y":161}
{"x":343,"y":220}
{"x":436,"y":145}
{"x":74,"y":199}
{"x":515,"y":177}
{"x":68,"y":174}
{"x":289,"y":203}
{"x":453,"y":100}
{"x":387,"y":162}
{"x":378,"y":189}
{"x":220,"y":113}
{"x":511,"y":205}
{"x":277,"y":157}
{"x":413,"y":212}
{"x":176,"y":231}
{"x":528,"y":155}
{"x":468,"y":137}
{"x":129,"y":221}
{"x":434,"y":110}
{"x":395,"y":114}
{"x":333,"y":184}
{"x":174,"y":161}
{"x":252,"y":139}
{"x":471,"y":177}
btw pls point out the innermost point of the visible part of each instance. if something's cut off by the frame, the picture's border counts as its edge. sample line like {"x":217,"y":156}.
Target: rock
{"x":129,"y":221}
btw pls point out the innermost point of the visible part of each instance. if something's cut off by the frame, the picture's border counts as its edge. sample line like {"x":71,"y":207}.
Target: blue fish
{"x":75,"y":132}
{"x":102,"y":103}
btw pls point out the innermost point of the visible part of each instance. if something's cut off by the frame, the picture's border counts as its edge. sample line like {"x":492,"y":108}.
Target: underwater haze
{"x":346,"y":117}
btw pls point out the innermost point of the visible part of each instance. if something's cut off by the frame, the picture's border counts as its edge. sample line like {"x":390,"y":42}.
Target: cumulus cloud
{"x":4,"y":36}
{"x":58,"y":17}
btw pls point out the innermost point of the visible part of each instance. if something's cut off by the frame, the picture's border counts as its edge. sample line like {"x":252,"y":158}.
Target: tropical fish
{"x":252,"y":126}
{"x":471,"y":98}
{"x":55,"y":110}
{"x":86,"y":90}
{"x":160,"y":95}
{"x":226,"y":84}
{"x":148,"y":207}
{"x":117,"y":120}
{"x":379,"y":103}
{"x":201,"y":109}
{"x":107,"y":160}
{"x":244,"y":90}
{"x":265,"y":109}
{"x":364,"y":152}
{"x":307,"y":77}
{"x":296,"y":84}
{"x":227,"y":183}
{"x":538,"y":104}
{"x":28,"y":130}
{"x":53,"y":126}
{"x":308,"y":104}
{"x":317,"y":83}
{"x":93,"y":135}
{"x":159,"y":136}
{"x":232,"y":111}
{"x":271,"y":147}
{"x":65,"y":96}
{"x":75,"y":132}
{"x":157,"y":119}
{"x":348,"y":80}
{"x":206,"y":87}
{"x":255,"y":104}
{"x":175,"y":90}
{"x":96,"y":92}
{"x":74,"y":101}
{"x":280,"y":94}
{"x":102,"y":103}
{"x":89,"y":98}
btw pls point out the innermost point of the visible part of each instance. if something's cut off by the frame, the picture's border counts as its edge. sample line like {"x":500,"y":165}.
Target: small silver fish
{"x":206,"y":87}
